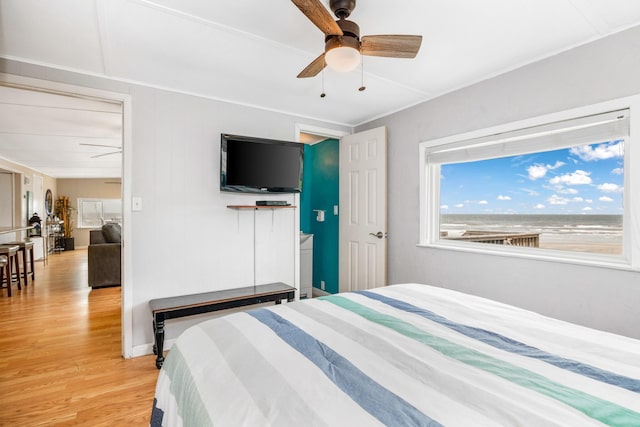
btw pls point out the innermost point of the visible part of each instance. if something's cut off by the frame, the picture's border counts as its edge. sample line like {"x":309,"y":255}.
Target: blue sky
{"x":581,"y":180}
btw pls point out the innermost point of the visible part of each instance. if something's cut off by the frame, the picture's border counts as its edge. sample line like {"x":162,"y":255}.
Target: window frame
{"x":430,"y":191}
{"x":101,"y":202}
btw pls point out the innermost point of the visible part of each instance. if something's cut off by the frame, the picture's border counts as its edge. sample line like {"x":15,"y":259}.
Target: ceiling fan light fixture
{"x":343,"y":47}
{"x":342,"y":54}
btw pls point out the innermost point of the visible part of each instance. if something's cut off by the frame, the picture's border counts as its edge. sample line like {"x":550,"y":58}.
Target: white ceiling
{"x":250,"y":51}
{"x":49,"y":133}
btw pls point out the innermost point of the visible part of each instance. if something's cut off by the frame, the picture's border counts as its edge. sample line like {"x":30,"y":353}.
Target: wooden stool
{"x":11,"y":252}
{"x":26,"y":246}
{"x":4,"y":267}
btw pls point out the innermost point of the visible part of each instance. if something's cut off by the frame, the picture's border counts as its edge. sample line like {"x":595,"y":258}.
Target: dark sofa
{"x":104,"y":259}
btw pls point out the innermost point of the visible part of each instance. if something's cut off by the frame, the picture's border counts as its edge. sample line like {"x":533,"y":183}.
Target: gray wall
{"x":598,"y":297}
{"x":185,"y":240}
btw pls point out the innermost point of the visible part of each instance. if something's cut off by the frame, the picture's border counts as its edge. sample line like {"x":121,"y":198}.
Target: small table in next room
{"x":189,"y":305}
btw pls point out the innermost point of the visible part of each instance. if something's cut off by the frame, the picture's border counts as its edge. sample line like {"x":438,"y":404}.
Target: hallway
{"x":60,"y":353}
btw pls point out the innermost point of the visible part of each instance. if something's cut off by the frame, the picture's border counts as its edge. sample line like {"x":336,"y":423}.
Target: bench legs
{"x":167,"y":313}
{"x":158,"y":344}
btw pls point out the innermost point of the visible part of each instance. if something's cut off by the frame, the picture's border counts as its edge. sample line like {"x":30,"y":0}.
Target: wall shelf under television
{"x":260,"y":207}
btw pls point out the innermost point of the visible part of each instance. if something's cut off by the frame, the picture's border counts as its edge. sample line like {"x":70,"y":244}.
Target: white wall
{"x":185,"y":240}
{"x":597,"y":297}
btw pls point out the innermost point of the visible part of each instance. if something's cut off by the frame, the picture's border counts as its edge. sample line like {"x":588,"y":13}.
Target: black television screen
{"x":257,"y":165}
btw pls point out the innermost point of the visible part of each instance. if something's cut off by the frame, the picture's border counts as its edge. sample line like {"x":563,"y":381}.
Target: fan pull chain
{"x":322,"y":95}
{"x":362,"y":86}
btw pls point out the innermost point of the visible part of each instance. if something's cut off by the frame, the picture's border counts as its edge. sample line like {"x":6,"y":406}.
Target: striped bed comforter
{"x":400,"y":355}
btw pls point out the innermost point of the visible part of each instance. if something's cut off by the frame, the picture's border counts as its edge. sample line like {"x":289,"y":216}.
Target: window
{"x":93,"y":213}
{"x":554,"y":187}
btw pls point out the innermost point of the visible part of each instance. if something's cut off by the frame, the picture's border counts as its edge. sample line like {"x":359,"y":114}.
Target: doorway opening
{"x":319,"y":211}
{"x":35,"y":88}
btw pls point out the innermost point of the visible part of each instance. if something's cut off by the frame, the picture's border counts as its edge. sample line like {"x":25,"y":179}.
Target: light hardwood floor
{"x":60,"y":353}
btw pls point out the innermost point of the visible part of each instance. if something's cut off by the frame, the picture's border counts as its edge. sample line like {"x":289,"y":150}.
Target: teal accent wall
{"x":320,"y":190}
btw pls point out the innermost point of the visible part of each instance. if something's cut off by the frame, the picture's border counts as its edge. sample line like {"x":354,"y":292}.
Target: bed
{"x":400,"y":355}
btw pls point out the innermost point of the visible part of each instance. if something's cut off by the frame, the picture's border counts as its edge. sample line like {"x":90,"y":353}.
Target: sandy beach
{"x":597,"y":234}
{"x":611,"y":245}
{"x":594,"y":248}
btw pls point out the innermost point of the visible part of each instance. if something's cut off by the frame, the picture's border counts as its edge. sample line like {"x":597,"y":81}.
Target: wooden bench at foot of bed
{"x":188,"y":305}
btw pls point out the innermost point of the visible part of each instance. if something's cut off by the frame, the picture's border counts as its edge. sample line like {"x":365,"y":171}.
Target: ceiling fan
{"x":343,"y":46}
{"x":118,"y":149}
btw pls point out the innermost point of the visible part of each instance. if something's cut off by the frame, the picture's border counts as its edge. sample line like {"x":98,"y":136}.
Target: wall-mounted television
{"x":258,"y":165}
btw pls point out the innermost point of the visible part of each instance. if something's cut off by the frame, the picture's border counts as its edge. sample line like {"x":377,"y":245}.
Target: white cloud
{"x":587,"y":208}
{"x":589,"y":201}
{"x":608,"y":150}
{"x":579,"y":177}
{"x":530,"y":192}
{"x":539,"y":206}
{"x":538,"y":171}
{"x":577,"y":199}
{"x":460,"y":205}
{"x":560,"y":189}
{"x":483,"y":202}
{"x":557,"y":200}
{"x":501,"y":197}
{"x":618,"y":171}
{"x":610,"y":188}
{"x":605,"y":199}
{"x":444,"y":207}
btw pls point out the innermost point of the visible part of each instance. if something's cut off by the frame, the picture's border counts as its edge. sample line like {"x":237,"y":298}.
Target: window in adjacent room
{"x":93,"y":213}
{"x":558,"y":189}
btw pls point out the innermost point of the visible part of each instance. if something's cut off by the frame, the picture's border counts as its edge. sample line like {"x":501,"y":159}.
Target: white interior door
{"x":363,"y":205}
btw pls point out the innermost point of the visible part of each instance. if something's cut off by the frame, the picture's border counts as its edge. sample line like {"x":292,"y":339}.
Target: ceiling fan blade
{"x":319,"y":15}
{"x":106,"y":154}
{"x":101,"y":145}
{"x":314,"y":68}
{"x":393,"y":46}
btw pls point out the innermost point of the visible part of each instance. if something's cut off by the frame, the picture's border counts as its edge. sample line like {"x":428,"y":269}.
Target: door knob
{"x":379,"y":234}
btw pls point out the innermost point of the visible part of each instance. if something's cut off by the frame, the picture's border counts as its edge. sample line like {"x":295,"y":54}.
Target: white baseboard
{"x":147,"y":349}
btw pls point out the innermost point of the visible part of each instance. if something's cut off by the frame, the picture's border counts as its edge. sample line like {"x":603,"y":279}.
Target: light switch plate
{"x":136,"y":204}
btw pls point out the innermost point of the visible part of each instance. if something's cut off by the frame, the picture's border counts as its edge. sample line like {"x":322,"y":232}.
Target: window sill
{"x":614,"y":262}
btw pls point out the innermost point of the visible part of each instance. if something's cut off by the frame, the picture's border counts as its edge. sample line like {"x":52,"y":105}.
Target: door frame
{"x":330,"y":134}
{"x":39,"y":85}
{"x":320,"y":131}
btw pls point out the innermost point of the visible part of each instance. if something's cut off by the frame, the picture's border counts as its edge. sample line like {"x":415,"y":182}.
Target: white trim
{"x":103,"y":36}
{"x":316,"y":130}
{"x":430,"y":184}
{"x":127,"y":221}
{"x":169,"y":89}
{"x":127,"y":140}
{"x":147,"y":349}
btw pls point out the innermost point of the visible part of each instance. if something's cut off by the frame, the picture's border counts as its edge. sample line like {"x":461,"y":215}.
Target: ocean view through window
{"x":556,"y":187}
{"x":569,"y":199}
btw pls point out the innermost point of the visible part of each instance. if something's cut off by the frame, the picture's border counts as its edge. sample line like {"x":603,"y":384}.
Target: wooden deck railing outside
{"x":531,"y":240}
